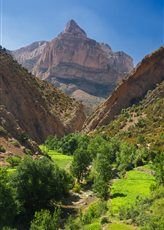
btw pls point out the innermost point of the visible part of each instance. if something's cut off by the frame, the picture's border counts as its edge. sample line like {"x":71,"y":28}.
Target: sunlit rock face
{"x":73,"y":62}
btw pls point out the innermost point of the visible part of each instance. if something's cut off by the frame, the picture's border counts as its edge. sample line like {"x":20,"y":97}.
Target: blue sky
{"x":134,"y":26}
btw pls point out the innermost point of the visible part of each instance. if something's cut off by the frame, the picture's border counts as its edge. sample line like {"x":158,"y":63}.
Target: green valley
{"x":64,"y":166}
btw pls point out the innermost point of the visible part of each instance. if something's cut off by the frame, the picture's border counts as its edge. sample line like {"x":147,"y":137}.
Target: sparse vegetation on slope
{"x":23,"y":95}
{"x":31,"y":110}
{"x":143,"y":123}
{"x":133,"y":89}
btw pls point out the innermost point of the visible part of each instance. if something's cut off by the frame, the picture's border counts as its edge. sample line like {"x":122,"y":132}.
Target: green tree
{"x":141,"y":157}
{"x":99,"y":144}
{"x":83,"y":141}
{"x":158,"y":166}
{"x":104,"y":166}
{"x":45,"y":220}
{"x":8,"y":207}
{"x":126,"y":157}
{"x":95,"y":145}
{"x":39,"y":183}
{"x":101,"y":187}
{"x":103,"y":172}
{"x":80,"y":164}
{"x":52,"y":143}
{"x":69,"y":144}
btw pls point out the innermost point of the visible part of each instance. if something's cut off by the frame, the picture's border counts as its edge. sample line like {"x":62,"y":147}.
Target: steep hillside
{"x":13,"y":139}
{"x":142,"y":124}
{"x":34,"y":106}
{"x":145,"y":77}
{"x":73,"y":62}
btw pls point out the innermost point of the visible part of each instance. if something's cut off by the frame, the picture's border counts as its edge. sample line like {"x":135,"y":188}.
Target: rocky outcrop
{"x":72,"y":60}
{"x":36,"y":107}
{"x":145,"y":77}
{"x":29,"y":55}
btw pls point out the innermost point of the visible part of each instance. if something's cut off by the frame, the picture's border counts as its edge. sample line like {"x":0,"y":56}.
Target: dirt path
{"x":85,"y":198}
{"x":75,"y":202}
{"x":79,"y":200}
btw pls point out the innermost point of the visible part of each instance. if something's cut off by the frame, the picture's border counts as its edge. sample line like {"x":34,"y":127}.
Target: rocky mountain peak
{"x":73,"y":28}
{"x":74,"y":63}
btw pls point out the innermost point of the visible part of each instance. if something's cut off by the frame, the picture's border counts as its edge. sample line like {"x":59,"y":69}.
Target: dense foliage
{"x":37,"y":184}
{"x":45,"y":220}
{"x":68,"y":144}
{"x":100,"y":158}
{"x":31,"y":193}
{"x":158,"y":166}
{"x":80,"y":164}
{"x":8,"y":206}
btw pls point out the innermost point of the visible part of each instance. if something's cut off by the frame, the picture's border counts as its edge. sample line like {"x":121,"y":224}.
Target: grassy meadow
{"x":125,"y":191}
{"x":63,"y":161}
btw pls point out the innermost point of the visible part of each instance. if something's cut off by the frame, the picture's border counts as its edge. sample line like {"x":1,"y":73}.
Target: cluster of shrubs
{"x":3,"y":131}
{"x":31,"y":194}
{"x":14,"y":160}
{"x":2,"y":149}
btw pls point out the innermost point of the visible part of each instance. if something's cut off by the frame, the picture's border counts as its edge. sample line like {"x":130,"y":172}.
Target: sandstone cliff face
{"x":145,"y":77}
{"x":72,"y":61}
{"x":37,"y":107}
